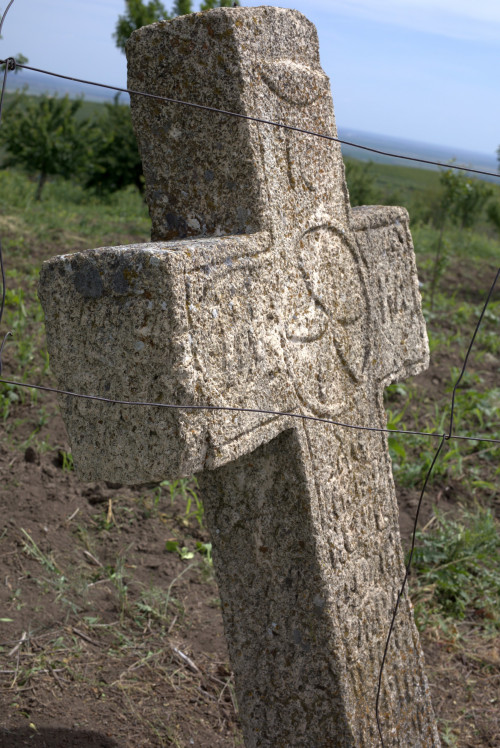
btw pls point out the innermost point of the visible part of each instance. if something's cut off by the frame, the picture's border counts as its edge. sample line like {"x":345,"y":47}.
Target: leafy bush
{"x":360,"y":181}
{"x":138,"y":14}
{"x":115,"y":162}
{"x":493,"y":213}
{"x":43,"y":136}
{"x":458,"y":566}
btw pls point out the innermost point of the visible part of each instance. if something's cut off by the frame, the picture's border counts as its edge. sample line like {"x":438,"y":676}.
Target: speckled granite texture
{"x":261,"y":289}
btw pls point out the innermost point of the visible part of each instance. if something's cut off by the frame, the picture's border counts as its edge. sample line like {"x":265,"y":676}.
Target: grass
{"x":70,"y":216}
{"x":456,"y":579}
{"x":457,"y":562}
{"x":138,"y":606}
{"x":70,"y":219}
{"x":67,"y":215}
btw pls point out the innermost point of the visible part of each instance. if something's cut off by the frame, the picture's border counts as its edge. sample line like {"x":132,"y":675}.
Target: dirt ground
{"x":108,"y":640}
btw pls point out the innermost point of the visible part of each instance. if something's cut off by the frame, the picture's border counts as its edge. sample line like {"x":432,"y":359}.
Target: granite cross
{"x":262,"y":289}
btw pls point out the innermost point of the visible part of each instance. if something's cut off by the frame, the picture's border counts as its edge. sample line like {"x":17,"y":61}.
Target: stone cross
{"x":262,"y":289}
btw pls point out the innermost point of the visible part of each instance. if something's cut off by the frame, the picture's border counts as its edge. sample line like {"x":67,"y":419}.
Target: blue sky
{"x":426,"y":70}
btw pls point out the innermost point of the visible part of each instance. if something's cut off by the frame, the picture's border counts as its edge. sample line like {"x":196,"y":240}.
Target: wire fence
{"x":10,"y":65}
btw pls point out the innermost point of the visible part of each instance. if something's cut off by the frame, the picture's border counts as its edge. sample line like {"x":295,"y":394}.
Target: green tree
{"x":493,"y":213}
{"x":360,"y":181}
{"x":43,"y":136}
{"x":462,"y":202}
{"x":182,"y":8}
{"x":209,"y":4}
{"x":463,"y":198}
{"x":20,"y":58}
{"x":115,"y":161}
{"x":139,"y":13}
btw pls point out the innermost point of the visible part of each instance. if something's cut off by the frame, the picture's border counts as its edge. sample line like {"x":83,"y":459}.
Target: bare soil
{"x":107,"y":639}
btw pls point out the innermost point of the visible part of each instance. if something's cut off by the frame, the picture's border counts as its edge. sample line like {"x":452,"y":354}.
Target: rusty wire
{"x":5,"y":15}
{"x":260,"y":120}
{"x":10,"y":64}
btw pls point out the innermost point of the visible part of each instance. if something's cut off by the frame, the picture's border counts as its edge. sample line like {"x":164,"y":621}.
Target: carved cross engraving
{"x":262,"y":289}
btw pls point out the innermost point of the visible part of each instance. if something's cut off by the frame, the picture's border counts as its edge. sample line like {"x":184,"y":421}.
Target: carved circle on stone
{"x":326,"y":311}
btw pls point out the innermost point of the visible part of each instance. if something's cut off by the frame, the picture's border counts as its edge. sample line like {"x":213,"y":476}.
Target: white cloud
{"x":462,"y":19}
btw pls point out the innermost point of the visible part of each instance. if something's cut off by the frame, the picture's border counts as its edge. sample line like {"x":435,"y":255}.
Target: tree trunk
{"x":41,"y":181}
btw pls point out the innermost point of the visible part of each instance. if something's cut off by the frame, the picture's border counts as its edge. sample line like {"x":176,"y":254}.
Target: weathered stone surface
{"x":263,"y":289}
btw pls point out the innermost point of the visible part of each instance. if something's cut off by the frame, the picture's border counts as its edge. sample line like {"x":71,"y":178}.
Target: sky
{"x":425,"y":70}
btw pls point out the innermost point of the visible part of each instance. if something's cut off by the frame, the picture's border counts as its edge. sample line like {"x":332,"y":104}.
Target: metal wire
{"x":10,"y":64}
{"x":450,"y":429}
{"x":5,"y":15}
{"x":261,"y":121}
{"x":444,"y":437}
{"x":401,"y":591}
{"x":235,"y":409}
{"x":2,"y":303}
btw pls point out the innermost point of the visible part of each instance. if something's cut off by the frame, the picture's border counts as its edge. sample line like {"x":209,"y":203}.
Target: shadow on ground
{"x":54,"y":738}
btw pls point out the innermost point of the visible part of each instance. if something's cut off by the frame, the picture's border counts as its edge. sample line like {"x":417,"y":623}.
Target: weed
{"x":457,"y":564}
{"x":206,"y":551}
{"x":184,"y":488}
{"x":449,"y":736}
{"x":154,"y":606}
{"x":151,"y":504}
{"x":116,"y":574}
{"x":67,"y":461}
{"x":8,"y":396}
{"x":32,"y":549}
{"x":173,"y":546}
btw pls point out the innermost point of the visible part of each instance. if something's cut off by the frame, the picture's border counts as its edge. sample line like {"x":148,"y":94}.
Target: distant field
{"x":88,"y":108}
{"x":415,"y":189}
{"x":37,"y":84}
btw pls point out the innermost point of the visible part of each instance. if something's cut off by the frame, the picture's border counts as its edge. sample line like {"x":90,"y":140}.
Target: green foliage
{"x":360,"y":181}
{"x":68,"y":216}
{"x":21,"y":59}
{"x":186,"y":554}
{"x":173,"y":546}
{"x":458,"y":566}
{"x":463,"y":198}
{"x":138,"y":14}
{"x":184,"y":489}
{"x":182,"y":7}
{"x":67,"y":463}
{"x":461,"y":202}
{"x":493,"y":213}
{"x":209,"y":4}
{"x":43,"y":136}
{"x":115,"y":162}
{"x":463,"y":245}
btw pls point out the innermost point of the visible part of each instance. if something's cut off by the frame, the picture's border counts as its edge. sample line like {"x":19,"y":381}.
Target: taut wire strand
{"x":492,"y":288}
{"x":260,"y":121}
{"x":444,"y":437}
{"x":234,"y":409}
{"x":401,"y":591}
{"x":11,"y":64}
{"x":8,"y":66}
{"x":2,"y":303}
{"x":4,"y":15}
